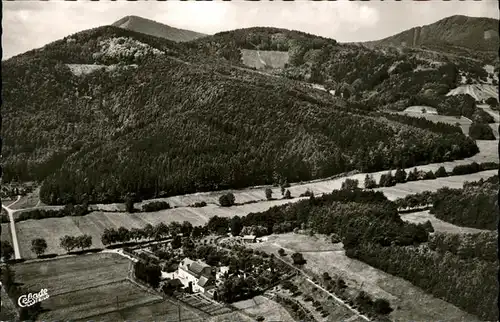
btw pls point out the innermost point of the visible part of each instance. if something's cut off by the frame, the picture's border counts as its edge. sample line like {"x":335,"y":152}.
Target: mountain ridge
{"x":156,"y":29}
{"x":452,"y":34}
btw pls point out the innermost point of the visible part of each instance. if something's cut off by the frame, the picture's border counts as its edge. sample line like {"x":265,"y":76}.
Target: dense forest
{"x":166,"y":127}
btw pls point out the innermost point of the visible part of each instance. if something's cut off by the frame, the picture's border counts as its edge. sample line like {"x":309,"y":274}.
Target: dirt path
{"x":15,"y":244}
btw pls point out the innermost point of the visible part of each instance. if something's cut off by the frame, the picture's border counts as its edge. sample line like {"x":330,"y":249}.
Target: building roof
{"x":197,"y":268}
{"x":249,"y":237}
{"x":203,"y":281}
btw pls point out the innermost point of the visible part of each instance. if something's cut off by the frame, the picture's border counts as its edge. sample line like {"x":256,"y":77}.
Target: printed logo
{"x":32,"y":298}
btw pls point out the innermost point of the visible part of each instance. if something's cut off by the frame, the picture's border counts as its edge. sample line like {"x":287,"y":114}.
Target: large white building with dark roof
{"x":198,"y":275}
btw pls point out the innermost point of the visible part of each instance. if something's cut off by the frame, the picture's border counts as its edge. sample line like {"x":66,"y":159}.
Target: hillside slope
{"x":168,"y":120}
{"x":153,"y":28}
{"x":455,"y":34}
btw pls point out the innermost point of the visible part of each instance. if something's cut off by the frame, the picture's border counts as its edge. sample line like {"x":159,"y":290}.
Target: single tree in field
{"x":38,"y":246}
{"x":7,"y":250}
{"x":236,"y":225}
{"x":269,"y":193}
{"x":68,"y":243}
{"x":382,"y":306}
{"x":281,"y":252}
{"x":84,"y":241}
{"x":288,"y":195}
{"x":298,"y":259}
{"x":400,"y":176}
{"x":413,"y":175}
{"x":441,"y":172}
{"x":370,"y":182}
{"x":282,"y":190}
{"x":129,"y":203}
{"x":350,"y":184}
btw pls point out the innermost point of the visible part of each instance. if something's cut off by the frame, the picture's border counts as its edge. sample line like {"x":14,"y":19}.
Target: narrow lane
{"x":15,"y":244}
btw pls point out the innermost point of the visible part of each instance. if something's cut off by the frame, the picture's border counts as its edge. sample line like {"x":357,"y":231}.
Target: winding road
{"x":17,"y":254}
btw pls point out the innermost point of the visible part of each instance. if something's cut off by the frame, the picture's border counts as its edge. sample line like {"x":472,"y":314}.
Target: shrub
{"x":227,"y":200}
{"x":370,"y":182}
{"x":350,"y":184}
{"x":298,"y":259}
{"x":429,"y":175}
{"x":155,"y":206}
{"x":382,"y":306}
{"x":269,"y":193}
{"x":441,"y":172}
{"x":199,"y":204}
{"x":281,"y":252}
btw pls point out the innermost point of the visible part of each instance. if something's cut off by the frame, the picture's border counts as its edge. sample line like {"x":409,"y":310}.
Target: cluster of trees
{"x":148,"y":273}
{"x":354,"y":215}
{"x":38,"y":246}
{"x":401,"y":176}
{"x":481,"y":245}
{"x":481,"y":131}
{"x":155,"y":206}
{"x":70,"y":242}
{"x":150,"y":232}
{"x":447,"y":276}
{"x":423,"y":123}
{"x":473,"y":168}
{"x":68,"y":210}
{"x":475,"y":207}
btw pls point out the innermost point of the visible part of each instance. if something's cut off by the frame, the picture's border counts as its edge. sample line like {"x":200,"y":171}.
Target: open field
{"x":464,"y":122}
{"x":92,"y":286}
{"x":267,"y":308}
{"x":52,"y":229}
{"x":439,"y":225}
{"x":418,"y":109}
{"x":154,"y":311}
{"x":478,"y":91}
{"x":262,"y":59}
{"x":232,"y":317}
{"x":5,"y":235}
{"x":414,"y":304}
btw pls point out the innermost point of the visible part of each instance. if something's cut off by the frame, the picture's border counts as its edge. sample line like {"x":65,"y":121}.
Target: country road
{"x":15,"y":244}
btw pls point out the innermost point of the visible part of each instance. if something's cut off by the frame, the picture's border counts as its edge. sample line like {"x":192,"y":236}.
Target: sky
{"x":29,"y":24}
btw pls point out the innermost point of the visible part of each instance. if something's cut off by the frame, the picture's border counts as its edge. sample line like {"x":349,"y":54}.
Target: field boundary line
{"x":91,"y":287}
{"x":86,"y":318}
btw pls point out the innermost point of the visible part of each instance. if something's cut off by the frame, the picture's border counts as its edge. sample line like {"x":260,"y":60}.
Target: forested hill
{"x":383,"y":77}
{"x":107,"y":112}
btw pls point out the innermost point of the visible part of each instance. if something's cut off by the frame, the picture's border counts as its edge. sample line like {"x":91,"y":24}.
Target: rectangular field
{"x":267,"y":308}
{"x":439,"y":225}
{"x":93,"y":287}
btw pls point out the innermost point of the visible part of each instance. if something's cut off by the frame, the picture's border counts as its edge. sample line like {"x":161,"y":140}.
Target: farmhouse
{"x":249,"y":238}
{"x":199,"y":276}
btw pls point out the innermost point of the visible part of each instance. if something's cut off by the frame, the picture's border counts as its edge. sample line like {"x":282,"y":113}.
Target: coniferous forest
{"x":157,"y":125}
